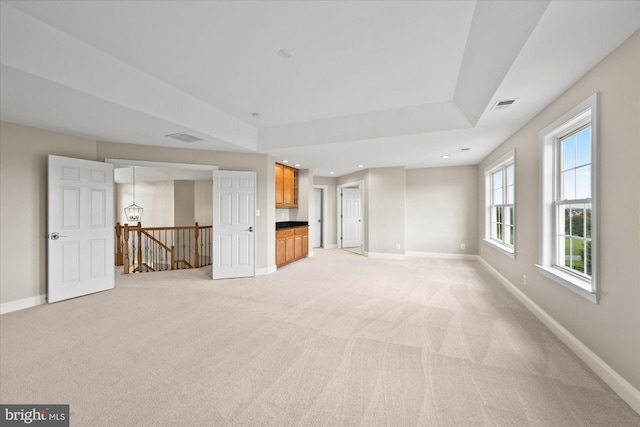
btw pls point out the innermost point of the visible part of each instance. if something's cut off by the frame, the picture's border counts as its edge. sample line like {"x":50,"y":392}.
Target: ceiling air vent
{"x":184,"y":137}
{"x":505,"y":103}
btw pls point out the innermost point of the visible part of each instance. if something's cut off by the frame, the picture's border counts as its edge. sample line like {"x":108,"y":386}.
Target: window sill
{"x":570,"y":282}
{"x":507,"y":250}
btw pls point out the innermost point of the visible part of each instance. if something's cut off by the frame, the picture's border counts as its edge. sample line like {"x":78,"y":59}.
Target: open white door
{"x":80,"y":228}
{"x":351,"y":218}
{"x":233,"y":224}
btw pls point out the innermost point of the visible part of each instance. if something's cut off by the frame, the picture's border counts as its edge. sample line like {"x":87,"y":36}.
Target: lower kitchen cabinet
{"x":292,"y":244}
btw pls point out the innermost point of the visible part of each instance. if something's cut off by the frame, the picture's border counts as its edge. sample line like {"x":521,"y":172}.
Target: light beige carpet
{"x":334,"y":340}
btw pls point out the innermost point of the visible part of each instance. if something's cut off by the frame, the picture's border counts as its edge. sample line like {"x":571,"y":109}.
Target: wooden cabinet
{"x":279,"y":185}
{"x":286,"y":186}
{"x":292,"y":244}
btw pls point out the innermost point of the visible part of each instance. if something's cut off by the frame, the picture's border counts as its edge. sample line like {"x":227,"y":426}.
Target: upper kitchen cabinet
{"x":286,"y":186}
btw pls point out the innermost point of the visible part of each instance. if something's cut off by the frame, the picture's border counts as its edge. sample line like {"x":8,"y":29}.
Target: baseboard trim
{"x":330,"y":247}
{"x":412,"y":254}
{"x":382,"y":255}
{"x":21,"y":304}
{"x":442,"y":255}
{"x":266,"y":271}
{"x":622,"y":387}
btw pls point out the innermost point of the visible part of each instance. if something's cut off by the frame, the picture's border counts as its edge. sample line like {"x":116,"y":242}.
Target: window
{"x":568,"y":252}
{"x":500,"y":201}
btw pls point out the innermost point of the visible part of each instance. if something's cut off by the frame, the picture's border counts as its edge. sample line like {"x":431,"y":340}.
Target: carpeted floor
{"x":334,"y":340}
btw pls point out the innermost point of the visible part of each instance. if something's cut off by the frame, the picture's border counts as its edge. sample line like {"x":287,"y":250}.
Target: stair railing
{"x":147,"y":249}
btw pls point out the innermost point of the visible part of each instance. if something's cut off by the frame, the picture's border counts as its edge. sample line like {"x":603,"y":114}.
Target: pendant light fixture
{"x":133,"y":211}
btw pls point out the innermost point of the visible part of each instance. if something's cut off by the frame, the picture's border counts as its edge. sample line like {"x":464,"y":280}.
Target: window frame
{"x":583,"y":115}
{"x":509,"y":159}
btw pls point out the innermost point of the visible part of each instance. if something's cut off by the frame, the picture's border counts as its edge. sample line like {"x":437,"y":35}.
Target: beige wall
{"x":610,"y":329}
{"x":386,"y":208}
{"x":442,"y":210}
{"x":184,"y":203}
{"x":398,"y":209}
{"x":23,"y":193}
{"x":203,"y":200}
{"x":23,"y":204}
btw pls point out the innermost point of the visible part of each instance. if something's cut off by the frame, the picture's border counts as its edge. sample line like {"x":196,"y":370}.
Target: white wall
{"x":610,"y":329}
{"x":156,"y":198}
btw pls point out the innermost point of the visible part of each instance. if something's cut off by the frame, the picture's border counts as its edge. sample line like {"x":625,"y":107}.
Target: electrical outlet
{"x":463,"y":246}
{"x":524,"y":279}
{"x":397,"y":245}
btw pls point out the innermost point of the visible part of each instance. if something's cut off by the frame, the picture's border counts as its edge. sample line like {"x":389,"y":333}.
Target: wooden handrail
{"x":153,"y":239}
{"x":123,"y":234}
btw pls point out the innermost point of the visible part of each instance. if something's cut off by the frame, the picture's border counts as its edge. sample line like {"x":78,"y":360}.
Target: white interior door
{"x":233,"y":224}
{"x":80,"y":247}
{"x":316,"y":220}
{"x":351,"y":218}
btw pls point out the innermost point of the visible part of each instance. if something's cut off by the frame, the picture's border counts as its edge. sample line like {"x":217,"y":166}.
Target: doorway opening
{"x":350,"y":217}
{"x":175,"y":229}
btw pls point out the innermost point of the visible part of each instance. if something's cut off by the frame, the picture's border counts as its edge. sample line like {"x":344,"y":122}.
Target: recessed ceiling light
{"x":331,"y":173}
{"x":285,"y":161}
{"x":446,"y":156}
{"x":285,"y":53}
{"x":360,"y":166}
{"x":256,"y":115}
{"x":297,"y":165}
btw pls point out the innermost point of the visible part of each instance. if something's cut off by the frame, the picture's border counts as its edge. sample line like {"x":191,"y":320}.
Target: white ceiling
{"x":380,"y":83}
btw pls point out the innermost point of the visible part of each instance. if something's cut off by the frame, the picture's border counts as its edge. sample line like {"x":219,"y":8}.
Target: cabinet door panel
{"x":298,"y":247}
{"x":279,"y":185}
{"x":305,"y":245}
{"x":288,"y":187}
{"x":281,"y":252}
{"x":290,"y":249}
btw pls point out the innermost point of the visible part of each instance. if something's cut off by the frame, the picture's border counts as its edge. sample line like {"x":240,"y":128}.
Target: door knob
{"x":56,"y":236}
{"x":250,"y":229}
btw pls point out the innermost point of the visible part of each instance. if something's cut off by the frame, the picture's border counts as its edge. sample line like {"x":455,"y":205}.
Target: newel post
{"x":126,"y":249}
{"x":140,"y":246}
{"x":118,"y":244}
{"x":197,"y":253}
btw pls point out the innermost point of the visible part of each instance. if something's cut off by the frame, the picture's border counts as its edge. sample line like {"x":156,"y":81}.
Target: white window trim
{"x":585,"y":111}
{"x":508,"y":158}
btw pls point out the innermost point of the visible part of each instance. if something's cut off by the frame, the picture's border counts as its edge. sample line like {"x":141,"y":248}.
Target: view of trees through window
{"x":574,"y":202}
{"x":502,"y":205}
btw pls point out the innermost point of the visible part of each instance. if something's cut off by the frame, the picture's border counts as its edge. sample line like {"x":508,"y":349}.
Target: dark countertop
{"x":290,"y":224}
